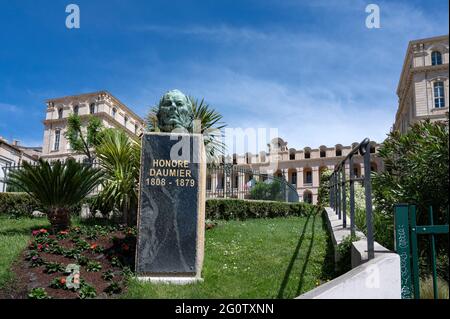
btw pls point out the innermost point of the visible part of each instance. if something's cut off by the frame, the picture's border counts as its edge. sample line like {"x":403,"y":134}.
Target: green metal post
{"x":433,"y":254}
{"x":415,"y":254}
{"x":402,"y":247}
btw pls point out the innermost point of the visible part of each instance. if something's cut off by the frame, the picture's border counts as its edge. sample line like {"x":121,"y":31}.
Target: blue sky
{"x":311,"y":69}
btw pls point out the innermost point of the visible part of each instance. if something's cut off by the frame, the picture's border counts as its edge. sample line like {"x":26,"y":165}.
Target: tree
{"x":57,"y":187}
{"x":119,"y":157}
{"x":80,"y":142}
{"x":416,"y":168}
{"x":324,"y":191}
{"x":267,"y":191}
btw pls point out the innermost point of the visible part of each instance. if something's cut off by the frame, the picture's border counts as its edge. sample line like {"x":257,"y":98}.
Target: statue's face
{"x":173,"y":111}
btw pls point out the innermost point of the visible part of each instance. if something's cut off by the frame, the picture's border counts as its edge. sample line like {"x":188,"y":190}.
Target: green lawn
{"x":14,"y":236}
{"x":257,"y":258}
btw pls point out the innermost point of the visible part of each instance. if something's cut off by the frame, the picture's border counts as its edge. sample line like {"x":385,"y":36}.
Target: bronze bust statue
{"x":174,"y":112}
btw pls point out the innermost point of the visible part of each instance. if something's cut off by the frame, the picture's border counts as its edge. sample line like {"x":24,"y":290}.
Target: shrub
{"x":267,"y":191}
{"x":242,"y":209}
{"x":344,"y":250}
{"x":18,"y":204}
{"x":324,"y":191}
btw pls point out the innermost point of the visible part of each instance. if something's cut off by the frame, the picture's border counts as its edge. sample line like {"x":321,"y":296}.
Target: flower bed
{"x":81,"y":262}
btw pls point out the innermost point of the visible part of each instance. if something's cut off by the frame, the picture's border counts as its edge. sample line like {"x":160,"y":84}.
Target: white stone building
{"x":102,"y":104}
{"x":12,"y":154}
{"x":423,"y":91}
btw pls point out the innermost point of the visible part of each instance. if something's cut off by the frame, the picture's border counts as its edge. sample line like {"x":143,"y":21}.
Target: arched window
{"x":125,"y":120}
{"x":136,"y":127}
{"x":92,"y":108}
{"x":60,"y":113}
{"x":338,"y":152}
{"x":307,"y":154}
{"x":439,"y":100}
{"x":436,"y":58}
{"x":323,"y":153}
{"x":307,"y":176}
{"x":113,"y":112}
{"x":75,"y":109}
{"x":292,"y":156}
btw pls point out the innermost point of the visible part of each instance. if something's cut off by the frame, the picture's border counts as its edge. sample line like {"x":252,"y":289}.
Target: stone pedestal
{"x":171,"y":216}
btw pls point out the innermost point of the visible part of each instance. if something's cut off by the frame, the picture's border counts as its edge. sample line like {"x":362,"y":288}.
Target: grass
{"x":14,"y":236}
{"x":426,"y":288}
{"x":256,"y":258}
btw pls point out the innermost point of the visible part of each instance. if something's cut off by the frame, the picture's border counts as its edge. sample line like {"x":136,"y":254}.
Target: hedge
{"x":242,"y":209}
{"x":22,"y":204}
{"x":18,"y":204}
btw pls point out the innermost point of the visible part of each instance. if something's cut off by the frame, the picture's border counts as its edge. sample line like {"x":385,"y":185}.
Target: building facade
{"x":12,"y":154}
{"x":301,"y":168}
{"x":423,"y":89}
{"x":111,"y":112}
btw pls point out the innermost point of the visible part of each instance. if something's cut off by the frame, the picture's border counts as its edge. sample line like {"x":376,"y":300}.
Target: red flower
{"x":39,"y":247}
{"x":35,"y":232}
{"x":64,"y":232}
{"x":93,"y":246}
{"x":43,"y":231}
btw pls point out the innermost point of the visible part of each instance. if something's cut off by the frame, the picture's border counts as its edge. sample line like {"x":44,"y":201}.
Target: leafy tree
{"x":416,"y":168}
{"x":57,"y":187}
{"x":83,"y":143}
{"x":119,"y":158}
{"x":324,"y":191}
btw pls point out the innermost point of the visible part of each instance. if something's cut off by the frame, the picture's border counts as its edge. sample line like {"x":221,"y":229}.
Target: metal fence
{"x":6,"y":170}
{"x":223,"y":181}
{"x":338,"y":191}
{"x":232,"y":181}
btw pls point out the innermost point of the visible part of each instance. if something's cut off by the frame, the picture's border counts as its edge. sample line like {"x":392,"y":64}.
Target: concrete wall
{"x":378,"y":278}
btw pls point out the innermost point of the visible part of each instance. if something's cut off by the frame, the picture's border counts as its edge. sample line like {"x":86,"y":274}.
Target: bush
{"x":324,"y":191}
{"x":23,"y":205}
{"x":344,"y":250}
{"x":18,"y":204}
{"x":267,"y":191}
{"x":239,"y":209}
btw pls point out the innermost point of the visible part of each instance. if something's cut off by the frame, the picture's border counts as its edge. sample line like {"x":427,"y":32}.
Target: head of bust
{"x":174,"y":111}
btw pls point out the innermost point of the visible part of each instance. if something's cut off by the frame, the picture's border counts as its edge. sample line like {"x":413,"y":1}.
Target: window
{"x":372,"y":149}
{"x":208,"y":183}
{"x":292,"y":156}
{"x":60,"y":113}
{"x":308,"y":177}
{"x":439,"y":100}
{"x":57,"y":140}
{"x":436,"y":58}
{"x":75,"y":109}
{"x":113,"y":112}
{"x":338,"y":152}
{"x":323,"y":153}
{"x":92,"y":108}
{"x":125,"y":121}
{"x":294,"y":178}
{"x":307,"y":154}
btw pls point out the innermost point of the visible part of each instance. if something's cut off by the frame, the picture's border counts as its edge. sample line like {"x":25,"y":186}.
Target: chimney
{"x":15,"y":143}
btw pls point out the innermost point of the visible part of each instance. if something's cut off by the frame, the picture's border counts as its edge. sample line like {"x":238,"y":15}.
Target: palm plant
{"x":119,"y":157}
{"x":57,"y":187}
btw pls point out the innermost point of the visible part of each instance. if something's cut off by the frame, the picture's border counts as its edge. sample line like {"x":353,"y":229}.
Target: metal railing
{"x":338,"y":191}
{"x":233,"y":181}
{"x":9,"y":168}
